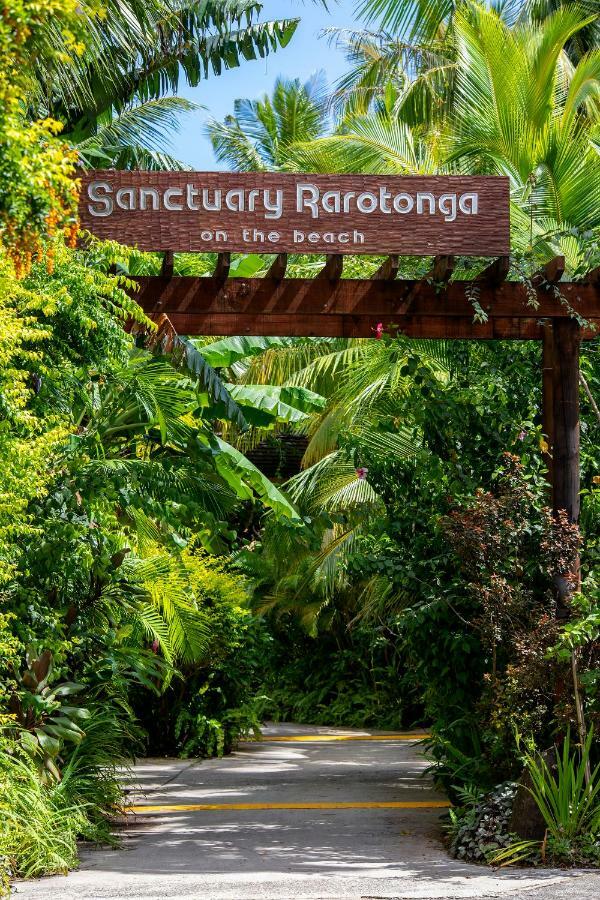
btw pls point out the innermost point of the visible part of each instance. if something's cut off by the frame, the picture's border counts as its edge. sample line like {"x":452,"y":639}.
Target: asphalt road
{"x":307,"y":814}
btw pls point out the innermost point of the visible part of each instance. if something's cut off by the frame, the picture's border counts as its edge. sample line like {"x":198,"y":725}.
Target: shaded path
{"x":245,"y":835}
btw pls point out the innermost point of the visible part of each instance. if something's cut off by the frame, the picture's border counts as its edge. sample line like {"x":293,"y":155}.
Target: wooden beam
{"x":442,"y":269}
{"x":333,"y":268}
{"x":496,"y":272}
{"x":278,"y":267}
{"x":550,"y":273}
{"x":168,"y":264}
{"x":388,"y":270}
{"x":354,"y":326}
{"x":592,"y":277}
{"x":380,"y":300}
{"x":440,"y":273}
{"x":221,"y":272}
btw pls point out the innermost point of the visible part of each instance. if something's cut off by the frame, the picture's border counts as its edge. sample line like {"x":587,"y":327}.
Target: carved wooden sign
{"x":260,"y":212}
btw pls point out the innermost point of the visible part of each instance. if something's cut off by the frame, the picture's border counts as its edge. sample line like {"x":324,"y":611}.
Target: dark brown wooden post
{"x":565,"y":391}
{"x":565,"y":463}
{"x":548,"y":396}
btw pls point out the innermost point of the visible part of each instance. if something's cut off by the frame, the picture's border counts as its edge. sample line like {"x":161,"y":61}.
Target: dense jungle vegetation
{"x":198,"y":534}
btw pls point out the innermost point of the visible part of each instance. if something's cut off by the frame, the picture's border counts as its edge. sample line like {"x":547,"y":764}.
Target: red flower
{"x":378,"y":331}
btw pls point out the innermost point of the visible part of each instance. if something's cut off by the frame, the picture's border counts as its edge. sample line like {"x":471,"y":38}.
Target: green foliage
{"x":260,"y":132}
{"x":38,"y":194}
{"x":110,"y":90}
{"x":38,"y":833}
{"x":45,"y":717}
{"x":567,"y":794}
{"x":42,"y":819}
{"x":569,"y":805}
{"x":215,"y":703}
{"x":350,"y":678}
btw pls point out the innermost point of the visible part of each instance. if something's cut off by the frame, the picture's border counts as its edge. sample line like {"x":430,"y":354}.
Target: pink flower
{"x":361,"y":472}
{"x":155,"y":645}
{"x":522,"y":435}
{"x":378,"y":331}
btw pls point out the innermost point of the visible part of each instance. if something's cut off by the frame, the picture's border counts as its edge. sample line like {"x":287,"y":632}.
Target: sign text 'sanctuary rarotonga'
{"x":266,"y":212}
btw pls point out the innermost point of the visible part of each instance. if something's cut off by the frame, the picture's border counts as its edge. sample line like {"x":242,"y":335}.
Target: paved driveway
{"x":306,"y":813}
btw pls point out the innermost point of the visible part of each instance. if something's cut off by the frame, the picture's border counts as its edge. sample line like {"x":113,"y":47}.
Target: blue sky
{"x":305,"y":54}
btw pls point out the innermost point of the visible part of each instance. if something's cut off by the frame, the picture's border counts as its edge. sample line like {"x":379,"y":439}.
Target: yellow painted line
{"x":317,"y":738}
{"x":197,"y":807}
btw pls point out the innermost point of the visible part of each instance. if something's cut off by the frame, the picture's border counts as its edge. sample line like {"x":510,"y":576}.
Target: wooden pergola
{"x":545,"y":309}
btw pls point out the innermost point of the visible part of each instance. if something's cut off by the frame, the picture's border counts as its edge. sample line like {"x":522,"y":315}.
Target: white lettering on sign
{"x":309,"y":199}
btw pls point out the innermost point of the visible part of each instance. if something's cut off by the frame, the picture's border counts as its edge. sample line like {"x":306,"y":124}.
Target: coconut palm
{"x":259,"y":133}
{"x":428,"y":20}
{"x":515,"y":106}
{"x":112,"y":94}
{"x":538,"y":136}
{"x":390,"y":75}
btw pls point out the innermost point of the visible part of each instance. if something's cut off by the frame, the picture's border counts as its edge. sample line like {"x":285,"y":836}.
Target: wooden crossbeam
{"x":440,"y":273}
{"x":388,"y":270}
{"x":442,"y":269}
{"x":278,"y":267}
{"x":333,"y":268}
{"x":550,"y":273}
{"x":353,"y":307}
{"x":221,"y":272}
{"x":496,"y":272}
{"x":168,"y":264}
{"x":592,"y":277}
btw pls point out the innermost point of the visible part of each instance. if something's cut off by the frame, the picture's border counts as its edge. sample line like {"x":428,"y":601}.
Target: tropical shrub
{"x":212,"y":700}
{"x":350,"y":677}
{"x":38,"y":832}
{"x":567,"y":793}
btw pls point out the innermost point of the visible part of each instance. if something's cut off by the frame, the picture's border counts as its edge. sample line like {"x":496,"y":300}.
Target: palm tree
{"x":112,"y":95}
{"x":429,"y":20}
{"x":260,"y":132}
{"x":515,"y":105}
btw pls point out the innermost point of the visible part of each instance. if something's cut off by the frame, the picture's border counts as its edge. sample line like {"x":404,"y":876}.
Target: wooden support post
{"x":565,"y":468}
{"x":565,"y":390}
{"x":548,"y":396}
{"x":566,"y":479}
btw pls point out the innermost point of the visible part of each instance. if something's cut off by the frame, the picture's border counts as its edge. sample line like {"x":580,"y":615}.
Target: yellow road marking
{"x":197,"y":807}
{"x":317,"y":738}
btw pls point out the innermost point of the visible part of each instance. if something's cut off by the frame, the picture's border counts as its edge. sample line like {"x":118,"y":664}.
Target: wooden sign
{"x":260,"y":212}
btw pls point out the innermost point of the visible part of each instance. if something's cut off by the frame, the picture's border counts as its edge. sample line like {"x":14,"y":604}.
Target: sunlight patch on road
{"x":197,"y":807}
{"x":317,"y":738}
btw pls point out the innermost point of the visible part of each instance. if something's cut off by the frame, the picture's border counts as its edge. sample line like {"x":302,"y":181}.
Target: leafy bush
{"x":349,"y":678}
{"x":480,"y":825}
{"x":38,"y":827}
{"x":211,"y":701}
{"x":42,"y":818}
